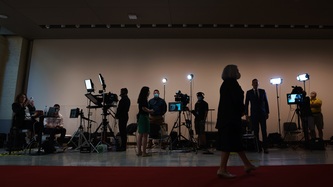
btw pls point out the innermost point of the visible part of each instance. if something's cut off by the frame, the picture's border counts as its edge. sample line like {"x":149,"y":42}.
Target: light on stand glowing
{"x":303,"y":77}
{"x":276,"y":81}
{"x":89,"y":85}
{"x":190,"y":76}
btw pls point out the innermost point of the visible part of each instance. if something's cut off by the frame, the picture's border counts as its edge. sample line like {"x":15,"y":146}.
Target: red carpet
{"x":63,"y":176}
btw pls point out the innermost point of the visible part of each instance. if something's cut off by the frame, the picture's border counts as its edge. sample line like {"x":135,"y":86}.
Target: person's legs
{"x":144,"y":144}
{"x":255,"y":128}
{"x":224,"y":160}
{"x":248,"y":166}
{"x":123,"y":133}
{"x":263,"y":128}
{"x":139,"y":143}
{"x":222,"y":171}
{"x":320,"y":125}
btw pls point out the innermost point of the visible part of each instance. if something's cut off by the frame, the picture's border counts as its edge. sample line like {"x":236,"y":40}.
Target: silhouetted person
{"x":122,"y":116}
{"x":143,"y":122}
{"x":229,"y":121}
{"x":257,"y":98}
{"x":315,"y":105}
{"x":200,"y":112}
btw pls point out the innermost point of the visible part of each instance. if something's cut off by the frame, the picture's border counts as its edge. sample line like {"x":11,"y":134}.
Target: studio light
{"x":101,"y":80}
{"x":89,"y":85}
{"x":164,"y":80}
{"x":190,"y":77}
{"x":303,"y":77}
{"x":276,"y":81}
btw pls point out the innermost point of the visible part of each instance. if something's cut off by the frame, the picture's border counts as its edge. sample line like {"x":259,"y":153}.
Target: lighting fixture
{"x":132,"y":17}
{"x":303,"y":77}
{"x":190,"y":76}
{"x":276,"y":81}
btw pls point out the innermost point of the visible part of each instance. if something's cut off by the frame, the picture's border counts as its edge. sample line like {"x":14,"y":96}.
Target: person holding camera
{"x":200,"y":112}
{"x":257,"y":98}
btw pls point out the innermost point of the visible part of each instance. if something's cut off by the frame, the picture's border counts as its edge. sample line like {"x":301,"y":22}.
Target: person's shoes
{"x":225,"y":174}
{"x":251,"y":168}
{"x":266,"y":151}
{"x":139,"y":154}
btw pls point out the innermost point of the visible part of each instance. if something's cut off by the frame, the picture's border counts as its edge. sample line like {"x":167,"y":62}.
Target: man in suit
{"x":257,"y":98}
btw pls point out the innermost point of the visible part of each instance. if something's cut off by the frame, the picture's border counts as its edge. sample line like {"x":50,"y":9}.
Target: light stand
{"x":277,"y":82}
{"x":164,"y":80}
{"x":302,"y":78}
{"x":190,"y":78}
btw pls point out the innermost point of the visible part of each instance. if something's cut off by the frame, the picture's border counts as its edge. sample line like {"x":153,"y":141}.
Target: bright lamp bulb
{"x":276,"y":81}
{"x":190,"y":76}
{"x":303,"y":77}
{"x":164,"y":80}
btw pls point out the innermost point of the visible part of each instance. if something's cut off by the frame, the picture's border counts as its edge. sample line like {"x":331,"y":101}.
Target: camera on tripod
{"x":184,"y":99}
{"x":110,"y":99}
{"x":296,"y":96}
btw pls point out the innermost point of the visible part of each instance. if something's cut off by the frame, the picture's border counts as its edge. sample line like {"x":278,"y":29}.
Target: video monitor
{"x":74,"y":113}
{"x":175,"y":106}
{"x":294,"y":98}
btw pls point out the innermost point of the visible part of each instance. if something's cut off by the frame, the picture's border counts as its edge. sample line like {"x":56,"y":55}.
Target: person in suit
{"x":257,"y":98}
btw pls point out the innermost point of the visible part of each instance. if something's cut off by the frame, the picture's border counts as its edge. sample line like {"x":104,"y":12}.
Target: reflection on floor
{"x":277,"y":156}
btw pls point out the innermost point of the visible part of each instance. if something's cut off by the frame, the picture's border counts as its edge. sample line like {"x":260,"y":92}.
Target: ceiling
{"x":99,"y":19}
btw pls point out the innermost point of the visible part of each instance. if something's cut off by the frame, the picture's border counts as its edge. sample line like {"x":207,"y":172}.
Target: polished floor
{"x":291,"y":155}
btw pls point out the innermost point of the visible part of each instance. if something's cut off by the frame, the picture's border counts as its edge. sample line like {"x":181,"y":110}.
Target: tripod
{"x":180,"y":141}
{"x":301,"y":120}
{"x":82,"y":140}
{"x":105,"y":127}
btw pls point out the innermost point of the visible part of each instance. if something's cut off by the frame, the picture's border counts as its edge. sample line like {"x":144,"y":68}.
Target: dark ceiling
{"x":99,"y":19}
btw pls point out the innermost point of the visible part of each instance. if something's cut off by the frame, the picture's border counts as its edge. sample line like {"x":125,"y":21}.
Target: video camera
{"x":183,"y":98}
{"x":110,"y":99}
{"x":296,"y":96}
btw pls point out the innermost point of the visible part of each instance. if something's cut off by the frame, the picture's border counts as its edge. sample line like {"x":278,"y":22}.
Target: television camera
{"x":296,"y":96}
{"x":184,"y":99}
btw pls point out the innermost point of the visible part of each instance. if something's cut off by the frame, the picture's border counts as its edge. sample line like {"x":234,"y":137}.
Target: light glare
{"x":276,"y":81}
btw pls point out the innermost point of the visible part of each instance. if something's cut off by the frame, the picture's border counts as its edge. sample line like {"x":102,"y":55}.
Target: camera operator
{"x":159,"y":106}
{"x":305,"y":113}
{"x":122,"y":116}
{"x":200,"y":112}
{"x":315,"y":105}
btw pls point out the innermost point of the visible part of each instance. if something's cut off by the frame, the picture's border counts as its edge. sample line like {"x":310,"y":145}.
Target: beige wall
{"x":59,"y":68}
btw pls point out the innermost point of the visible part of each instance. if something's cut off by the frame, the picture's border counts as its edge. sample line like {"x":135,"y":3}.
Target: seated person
{"x":55,"y":125}
{"x":25,"y":117}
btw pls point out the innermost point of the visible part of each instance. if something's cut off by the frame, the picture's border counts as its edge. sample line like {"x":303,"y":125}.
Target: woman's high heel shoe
{"x":225,"y":174}
{"x":249,"y":169}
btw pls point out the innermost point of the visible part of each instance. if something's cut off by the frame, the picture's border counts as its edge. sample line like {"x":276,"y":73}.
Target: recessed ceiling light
{"x":132,"y":17}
